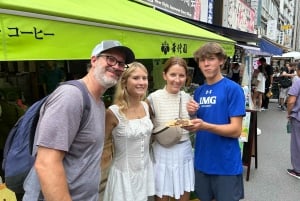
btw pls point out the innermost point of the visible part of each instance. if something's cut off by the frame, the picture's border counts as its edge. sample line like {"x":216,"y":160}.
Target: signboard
{"x":26,"y":38}
{"x":186,"y":8}
{"x":239,"y":16}
{"x":272,"y":29}
{"x":286,"y":27}
{"x":210,"y":11}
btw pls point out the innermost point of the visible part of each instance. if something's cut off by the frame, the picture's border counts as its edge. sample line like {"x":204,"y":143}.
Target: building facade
{"x":274,"y":20}
{"x":296,"y":32}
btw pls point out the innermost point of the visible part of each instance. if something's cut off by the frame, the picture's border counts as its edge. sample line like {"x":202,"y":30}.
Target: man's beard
{"x":102,"y":79}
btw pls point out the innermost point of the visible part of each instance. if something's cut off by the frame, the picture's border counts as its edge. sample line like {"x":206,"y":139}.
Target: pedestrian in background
{"x":297,"y":72}
{"x":173,"y":166}
{"x":287,"y":72}
{"x":268,"y":83}
{"x":293,"y":112}
{"x":67,"y":165}
{"x":235,"y":72}
{"x":128,"y":121}
{"x":217,"y":110}
{"x":259,"y":88}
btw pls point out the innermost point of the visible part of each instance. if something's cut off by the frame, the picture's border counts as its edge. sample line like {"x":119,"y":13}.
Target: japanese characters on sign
{"x":210,"y":11}
{"x":239,"y":16}
{"x":38,"y":34}
{"x":176,"y":48}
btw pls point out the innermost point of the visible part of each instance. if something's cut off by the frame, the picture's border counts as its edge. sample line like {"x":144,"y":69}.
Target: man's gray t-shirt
{"x":57,"y":128}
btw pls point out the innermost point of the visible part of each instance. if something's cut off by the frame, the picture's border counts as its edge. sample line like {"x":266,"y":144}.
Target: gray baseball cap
{"x":114,"y":44}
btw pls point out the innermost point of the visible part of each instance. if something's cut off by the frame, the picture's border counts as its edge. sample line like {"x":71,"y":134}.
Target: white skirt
{"x":173,"y":169}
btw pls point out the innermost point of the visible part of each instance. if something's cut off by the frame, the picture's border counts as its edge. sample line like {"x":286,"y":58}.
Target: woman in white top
{"x":131,"y":176}
{"x":259,"y":88}
{"x":173,"y":166}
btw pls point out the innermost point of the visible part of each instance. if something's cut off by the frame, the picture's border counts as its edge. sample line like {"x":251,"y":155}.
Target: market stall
{"x":35,"y":30}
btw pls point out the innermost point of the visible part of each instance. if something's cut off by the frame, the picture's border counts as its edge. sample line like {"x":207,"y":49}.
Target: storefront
{"x":33,"y":32}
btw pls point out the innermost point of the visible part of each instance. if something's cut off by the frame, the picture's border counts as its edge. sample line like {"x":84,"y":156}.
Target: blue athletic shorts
{"x":218,"y":187}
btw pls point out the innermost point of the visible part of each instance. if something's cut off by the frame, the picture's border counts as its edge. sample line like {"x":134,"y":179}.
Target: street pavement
{"x":270,"y":182}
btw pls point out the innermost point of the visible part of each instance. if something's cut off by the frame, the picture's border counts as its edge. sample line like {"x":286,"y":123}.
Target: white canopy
{"x":294,"y":54}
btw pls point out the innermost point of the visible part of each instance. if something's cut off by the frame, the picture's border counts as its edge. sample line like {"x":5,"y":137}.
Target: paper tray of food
{"x":179,"y":122}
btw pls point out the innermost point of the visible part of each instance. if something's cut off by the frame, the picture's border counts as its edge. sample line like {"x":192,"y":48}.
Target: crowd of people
{"x":288,"y":81}
{"x":68,"y":154}
{"x":263,"y":79}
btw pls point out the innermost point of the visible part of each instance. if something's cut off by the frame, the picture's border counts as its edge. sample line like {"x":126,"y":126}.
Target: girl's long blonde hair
{"x":121,"y":93}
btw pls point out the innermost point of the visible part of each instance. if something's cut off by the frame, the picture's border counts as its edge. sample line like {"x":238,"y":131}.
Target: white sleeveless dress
{"x":131,"y":176}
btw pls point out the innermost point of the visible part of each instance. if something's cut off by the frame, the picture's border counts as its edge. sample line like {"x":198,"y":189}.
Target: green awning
{"x":55,"y":29}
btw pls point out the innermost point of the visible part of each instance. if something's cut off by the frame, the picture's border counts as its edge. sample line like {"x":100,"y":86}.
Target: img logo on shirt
{"x":207,"y":101}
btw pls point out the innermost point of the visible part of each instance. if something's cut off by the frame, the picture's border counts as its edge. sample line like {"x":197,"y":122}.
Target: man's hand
{"x":196,"y":124}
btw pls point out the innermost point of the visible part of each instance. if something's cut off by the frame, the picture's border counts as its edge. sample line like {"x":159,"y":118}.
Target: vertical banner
{"x":245,"y":131}
{"x":245,"y":128}
{"x":210,"y":13}
{"x":272,"y":29}
{"x":246,"y":82}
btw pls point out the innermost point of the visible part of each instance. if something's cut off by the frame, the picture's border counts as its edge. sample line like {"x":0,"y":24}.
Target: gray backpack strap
{"x":86,"y":100}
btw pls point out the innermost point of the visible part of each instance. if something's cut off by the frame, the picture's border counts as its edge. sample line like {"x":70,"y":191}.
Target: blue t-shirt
{"x":215,"y":154}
